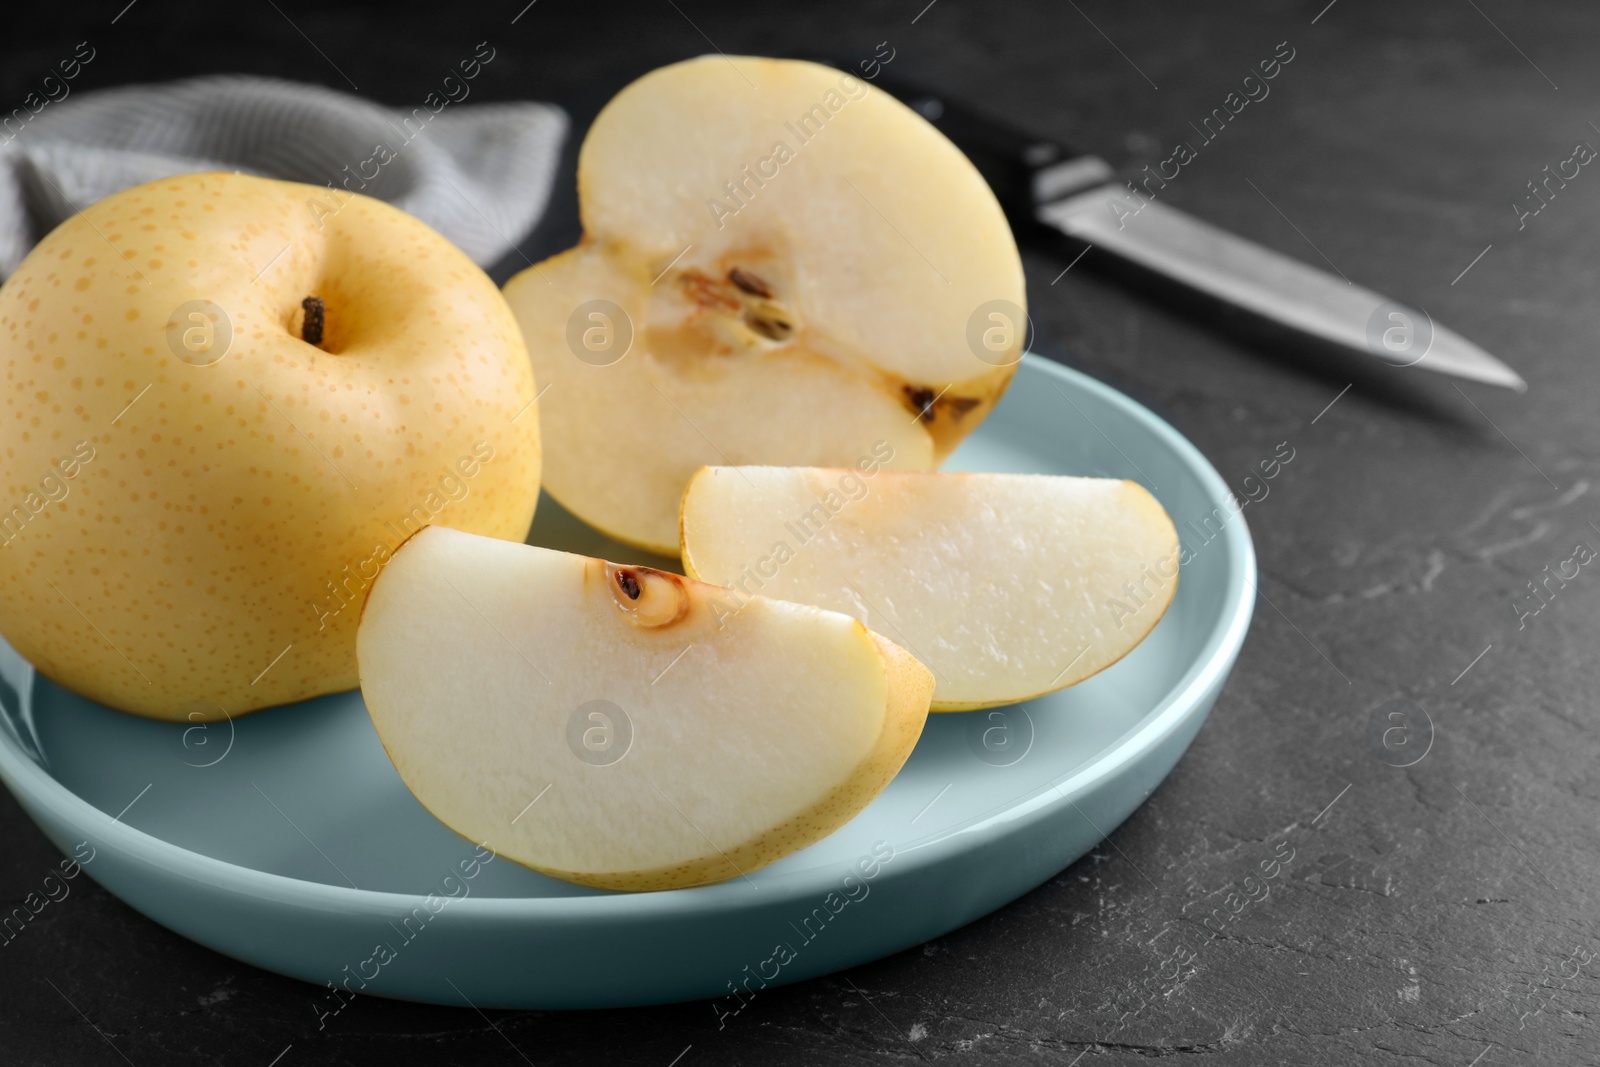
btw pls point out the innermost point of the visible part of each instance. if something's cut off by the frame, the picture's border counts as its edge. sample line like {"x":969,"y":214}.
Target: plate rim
{"x":34,"y":785}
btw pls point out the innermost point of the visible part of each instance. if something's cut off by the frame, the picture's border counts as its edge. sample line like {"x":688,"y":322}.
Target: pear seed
{"x":650,"y":598}
{"x":750,"y":283}
{"x":629,"y":583}
{"x":921,"y":399}
{"x":769,"y":325}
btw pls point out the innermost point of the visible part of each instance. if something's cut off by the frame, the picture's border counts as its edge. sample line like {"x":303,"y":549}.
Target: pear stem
{"x":311,"y":331}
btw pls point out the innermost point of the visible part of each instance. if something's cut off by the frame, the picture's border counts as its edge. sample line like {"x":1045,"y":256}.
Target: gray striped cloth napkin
{"x":478,"y":173}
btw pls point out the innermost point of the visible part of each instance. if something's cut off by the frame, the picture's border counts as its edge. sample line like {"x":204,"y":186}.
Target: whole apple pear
{"x":227,"y":401}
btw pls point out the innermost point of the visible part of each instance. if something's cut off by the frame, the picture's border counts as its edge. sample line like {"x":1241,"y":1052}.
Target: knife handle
{"x":1023,"y":170}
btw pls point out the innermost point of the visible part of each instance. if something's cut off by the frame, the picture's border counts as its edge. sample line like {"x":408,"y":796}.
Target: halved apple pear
{"x":609,"y":726}
{"x":1007,"y":586}
{"x":780,"y":264}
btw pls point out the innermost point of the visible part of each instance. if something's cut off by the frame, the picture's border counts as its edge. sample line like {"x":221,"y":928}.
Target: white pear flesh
{"x":1007,"y":586}
{"x":726,"y":740}
{"x":800,"y":305}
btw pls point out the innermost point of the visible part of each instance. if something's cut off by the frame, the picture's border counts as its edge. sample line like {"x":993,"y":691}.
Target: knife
{"x":1044,"y":186}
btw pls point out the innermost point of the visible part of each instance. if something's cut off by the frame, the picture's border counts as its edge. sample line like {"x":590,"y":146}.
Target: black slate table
{"x":1437,"y":913}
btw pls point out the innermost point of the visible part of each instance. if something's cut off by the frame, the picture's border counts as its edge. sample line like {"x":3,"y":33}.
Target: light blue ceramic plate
{"x":287,"y":839}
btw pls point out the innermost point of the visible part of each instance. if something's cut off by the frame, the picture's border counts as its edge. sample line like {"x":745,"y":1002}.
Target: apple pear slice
{"x":780,"y":264}
{"x":1007,"y":586}
{"x":605,"y":725}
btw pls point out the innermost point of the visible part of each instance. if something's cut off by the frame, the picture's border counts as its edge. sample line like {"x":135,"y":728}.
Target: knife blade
{"x":1042,"y":183}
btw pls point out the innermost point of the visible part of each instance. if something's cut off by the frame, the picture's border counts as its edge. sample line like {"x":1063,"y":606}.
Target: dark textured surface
{"x":1439,"y":914}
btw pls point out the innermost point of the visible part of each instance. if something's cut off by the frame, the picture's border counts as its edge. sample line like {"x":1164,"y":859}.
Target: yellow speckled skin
{"x":192,"y":538}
